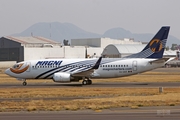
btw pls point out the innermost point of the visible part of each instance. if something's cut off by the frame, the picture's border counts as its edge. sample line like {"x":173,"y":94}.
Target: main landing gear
{"x":24,"y":83}
{"x":86,"y":81}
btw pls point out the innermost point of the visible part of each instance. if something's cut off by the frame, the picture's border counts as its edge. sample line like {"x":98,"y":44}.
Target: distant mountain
{"x":57,"y":31}
{"x":117,"y":33}
{"x":60,"y":31}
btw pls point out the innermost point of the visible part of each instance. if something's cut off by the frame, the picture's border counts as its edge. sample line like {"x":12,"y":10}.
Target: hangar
{"x":101,"y":42}
{"x":95,"y":46}
{"x":119,"y":50}
{"x":22,"y":48}
{"x":33,"y":47}
{"x":27,"y":48}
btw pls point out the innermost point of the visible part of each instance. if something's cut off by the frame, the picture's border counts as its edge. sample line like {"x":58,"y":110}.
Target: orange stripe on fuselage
{"x":17,"y":71}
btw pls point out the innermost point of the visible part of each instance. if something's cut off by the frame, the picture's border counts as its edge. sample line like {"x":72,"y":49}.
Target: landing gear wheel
{"x":24,"y":83}
{"x":84,"y":82}
{"x":89,"y":82}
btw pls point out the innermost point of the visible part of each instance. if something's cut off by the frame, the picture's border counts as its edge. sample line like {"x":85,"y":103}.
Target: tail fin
{"x":155,"y":48}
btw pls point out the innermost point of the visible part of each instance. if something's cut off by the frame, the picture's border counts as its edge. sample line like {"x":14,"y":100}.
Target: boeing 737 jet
{"x":74,"y":70}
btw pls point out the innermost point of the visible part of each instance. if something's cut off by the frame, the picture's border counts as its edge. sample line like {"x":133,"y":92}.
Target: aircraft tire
{"x":24,"y":83}
{"x":84,"y":82}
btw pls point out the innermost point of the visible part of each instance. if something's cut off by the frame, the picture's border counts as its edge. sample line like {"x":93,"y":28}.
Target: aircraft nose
{"x":7,"y":71}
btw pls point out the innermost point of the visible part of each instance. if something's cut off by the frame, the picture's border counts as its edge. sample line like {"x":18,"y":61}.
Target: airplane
{"x":74,"y":70}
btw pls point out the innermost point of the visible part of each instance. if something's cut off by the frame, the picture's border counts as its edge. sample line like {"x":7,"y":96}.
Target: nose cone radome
{"x":7,"y":71}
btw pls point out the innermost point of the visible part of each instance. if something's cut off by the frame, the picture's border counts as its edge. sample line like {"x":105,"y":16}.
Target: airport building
{"x":101,"y":42}
{"x":118,"y":51}
{"x":24,"y":48}
{"x":29,"y":48}
{"x":95,"y":46}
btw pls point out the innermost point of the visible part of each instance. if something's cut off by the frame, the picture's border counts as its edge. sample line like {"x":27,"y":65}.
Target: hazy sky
{"x":137,"y":16}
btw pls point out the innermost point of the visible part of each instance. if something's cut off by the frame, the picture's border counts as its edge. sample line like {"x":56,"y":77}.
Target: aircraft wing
{"x":162,"y":60}
{"x":89,"y":71}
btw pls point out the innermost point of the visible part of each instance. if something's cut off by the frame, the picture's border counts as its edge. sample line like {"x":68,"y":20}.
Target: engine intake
{"x":62,"y":77}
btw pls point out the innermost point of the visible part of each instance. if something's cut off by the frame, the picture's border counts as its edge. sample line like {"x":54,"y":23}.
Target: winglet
{"x":96,"y":66}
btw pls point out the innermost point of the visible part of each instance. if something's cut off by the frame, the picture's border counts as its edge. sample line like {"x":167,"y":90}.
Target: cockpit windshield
{"x":17,"y":66}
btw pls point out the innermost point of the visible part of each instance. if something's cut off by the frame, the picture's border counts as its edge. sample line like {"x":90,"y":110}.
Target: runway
{"x":148,"y":113}
{"x":98,"y":85}
{"x":141,"y":113}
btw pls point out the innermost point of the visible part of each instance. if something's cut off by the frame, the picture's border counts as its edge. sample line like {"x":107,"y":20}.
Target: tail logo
{"x":155,"y":45}
{"x":19,"y":68}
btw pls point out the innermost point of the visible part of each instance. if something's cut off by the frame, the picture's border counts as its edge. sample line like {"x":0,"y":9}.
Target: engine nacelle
{"x":62,"y":77}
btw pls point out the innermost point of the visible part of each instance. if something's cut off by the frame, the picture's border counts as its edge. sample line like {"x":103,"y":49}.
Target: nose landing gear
{"x":24,"y":83}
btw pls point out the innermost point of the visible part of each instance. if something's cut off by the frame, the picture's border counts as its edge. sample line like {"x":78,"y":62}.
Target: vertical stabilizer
{"x":155,"y":48}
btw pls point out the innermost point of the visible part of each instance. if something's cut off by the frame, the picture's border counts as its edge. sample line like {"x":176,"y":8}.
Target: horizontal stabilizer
{"x":161,"y":60}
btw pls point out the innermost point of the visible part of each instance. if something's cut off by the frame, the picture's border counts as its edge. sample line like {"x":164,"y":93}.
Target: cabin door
{"x":134,"y":65}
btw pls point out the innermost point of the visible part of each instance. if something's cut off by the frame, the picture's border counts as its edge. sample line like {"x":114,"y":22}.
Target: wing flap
{"x":84,"y":73}
{"x":89,"y":71}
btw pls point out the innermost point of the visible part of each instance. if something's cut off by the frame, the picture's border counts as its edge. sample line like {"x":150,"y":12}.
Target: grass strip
{"x":99,"y":98}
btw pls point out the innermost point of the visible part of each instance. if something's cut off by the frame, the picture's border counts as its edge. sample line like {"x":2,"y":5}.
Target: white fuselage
{"x":109,"y":67}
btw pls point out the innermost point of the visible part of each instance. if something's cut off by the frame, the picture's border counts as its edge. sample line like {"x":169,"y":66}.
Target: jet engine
{"x":62,"y":77}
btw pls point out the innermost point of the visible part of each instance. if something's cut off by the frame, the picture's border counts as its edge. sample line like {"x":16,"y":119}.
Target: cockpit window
{"x":16,"y":66}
